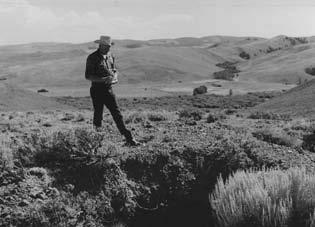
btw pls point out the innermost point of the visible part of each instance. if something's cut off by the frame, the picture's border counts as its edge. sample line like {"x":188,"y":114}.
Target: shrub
{"x":191,"y":113}
{"x":309,"y":142}
{"x":61,"y":146}
{"x":81,"y":158}
{"x":136,"y":117}
{"x":6,"y":153}
{"x":42,"y":90}
{"x":276,"y":136}
{"x":66,"y":210}
{"x":159,"y":116}
{"x":200,"y":90}
{"x":269,"y":116}
{"x":9,"y":172}
{"x":244,"y":55}
{"x":310,"y":71}
{"x":230,"y":111}
{"x":299,"y":124}
{"x":211,"y":118}
{"x":265,"y":198}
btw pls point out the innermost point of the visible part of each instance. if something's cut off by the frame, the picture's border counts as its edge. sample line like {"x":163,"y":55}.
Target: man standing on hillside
{"x":101,"y":71}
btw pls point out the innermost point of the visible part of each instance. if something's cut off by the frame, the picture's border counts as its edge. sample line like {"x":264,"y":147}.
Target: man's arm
{"x":96,"y":79}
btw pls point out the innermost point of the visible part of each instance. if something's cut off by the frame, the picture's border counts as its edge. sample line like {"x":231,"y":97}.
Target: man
{"x":101,"y":71}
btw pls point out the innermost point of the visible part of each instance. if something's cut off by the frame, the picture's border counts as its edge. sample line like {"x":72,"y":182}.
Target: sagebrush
{"x":265,"y":198}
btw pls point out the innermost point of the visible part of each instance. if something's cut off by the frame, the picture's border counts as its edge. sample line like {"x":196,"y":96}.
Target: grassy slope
{"x":298,"y":101}
{"x":15,"y":98}
{"x":285,"y":65}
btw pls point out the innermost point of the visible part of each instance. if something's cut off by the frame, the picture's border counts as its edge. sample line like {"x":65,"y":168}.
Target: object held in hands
{"x":115,"y":78}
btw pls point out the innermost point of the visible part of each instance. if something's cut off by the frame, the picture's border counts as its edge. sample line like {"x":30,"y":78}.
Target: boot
{"x":132,"y":142}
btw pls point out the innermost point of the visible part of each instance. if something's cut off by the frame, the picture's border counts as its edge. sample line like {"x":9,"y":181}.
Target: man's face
{"x":104,"y":48}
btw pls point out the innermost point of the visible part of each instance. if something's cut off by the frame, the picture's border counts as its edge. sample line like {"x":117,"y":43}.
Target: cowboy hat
{"x":107,"y":40}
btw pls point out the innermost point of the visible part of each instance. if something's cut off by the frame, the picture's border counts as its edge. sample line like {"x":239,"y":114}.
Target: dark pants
{"x":104,"y":96}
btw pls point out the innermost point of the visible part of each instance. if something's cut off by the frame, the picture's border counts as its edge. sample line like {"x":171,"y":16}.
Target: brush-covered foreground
{"x":57,"y":171}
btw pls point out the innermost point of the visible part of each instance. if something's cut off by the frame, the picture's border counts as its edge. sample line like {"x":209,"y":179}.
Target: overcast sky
{"x":23,"y":21}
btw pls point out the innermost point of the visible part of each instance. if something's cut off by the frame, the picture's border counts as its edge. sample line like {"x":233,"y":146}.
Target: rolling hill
{"x":298,"y":102}
{"x":178,"y":62}
{"x":13,"y":98}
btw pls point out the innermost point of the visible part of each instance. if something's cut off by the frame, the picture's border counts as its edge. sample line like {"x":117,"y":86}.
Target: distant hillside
{"x":298,"y":101}
{"x":262,"y":47}
{"x":138,"y":62}
{"x":281,"y":59}
{"x":13,"y":98}
{"x":161,"y":61}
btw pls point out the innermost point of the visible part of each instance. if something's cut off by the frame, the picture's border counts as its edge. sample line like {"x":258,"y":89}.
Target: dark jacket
{"x":97,"y":65}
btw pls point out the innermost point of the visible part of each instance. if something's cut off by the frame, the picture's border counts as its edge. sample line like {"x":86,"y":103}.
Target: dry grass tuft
{"x":145,"y":116}
{"x":265,"y":198}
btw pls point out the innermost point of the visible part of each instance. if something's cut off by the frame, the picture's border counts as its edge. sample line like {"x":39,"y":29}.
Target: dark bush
{"x":230,"y":111}
{"x":310,"y":71}
{"x":309,"y":142}
{"x":42,"y":90}
{"x":191,"y":113}
{"x":200,"y":90}
{"x":215,"y":117}
{"x":244,"y":55}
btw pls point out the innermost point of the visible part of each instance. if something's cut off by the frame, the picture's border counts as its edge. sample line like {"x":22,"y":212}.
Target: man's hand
{"x":115,"y":78}
{"x":107,"y":79}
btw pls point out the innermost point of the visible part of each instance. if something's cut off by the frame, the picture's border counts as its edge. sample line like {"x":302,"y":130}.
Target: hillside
{"x":163,"y":64}
{"x":286,"y":65}
{"x":298,"y":102}
{"x":14,"y":98}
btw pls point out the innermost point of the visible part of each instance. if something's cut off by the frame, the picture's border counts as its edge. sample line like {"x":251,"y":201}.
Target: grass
{"x":265,"y":198}
{"x":146,"y":115}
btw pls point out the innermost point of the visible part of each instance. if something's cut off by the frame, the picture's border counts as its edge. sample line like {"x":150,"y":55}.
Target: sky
{"x":75,"y":21}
